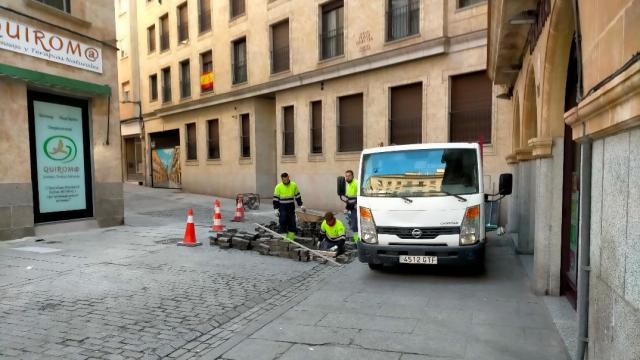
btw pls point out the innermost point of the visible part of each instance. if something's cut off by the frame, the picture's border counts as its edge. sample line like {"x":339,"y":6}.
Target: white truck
{"x":423,"y":204}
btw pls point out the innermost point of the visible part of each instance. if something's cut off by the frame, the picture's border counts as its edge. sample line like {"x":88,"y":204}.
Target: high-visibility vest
{"x":285,"y":195}
{"x":333,"y":233}
{"x":352,"y":194}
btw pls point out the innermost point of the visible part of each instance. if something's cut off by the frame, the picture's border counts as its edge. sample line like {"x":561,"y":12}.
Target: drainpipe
{"x":578,"y":39}
{"x":584,"y":262}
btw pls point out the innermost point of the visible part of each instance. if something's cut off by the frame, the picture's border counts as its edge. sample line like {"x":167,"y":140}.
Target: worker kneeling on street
{"x":333,"y":233}
{"x":285,"y":197}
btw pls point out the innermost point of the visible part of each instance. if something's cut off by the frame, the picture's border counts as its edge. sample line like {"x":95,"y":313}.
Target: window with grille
{"x":64,"y":5}
{"x":280,"y":47}
{"x":126,"y":91}
{"x":192,"y":144}
{"x":164,"y":32}
{"x":470,"y":115}
{"x":288,"y":135}
{"x":204,"y":15}
{"x":185,"y":79}
{"x":465,"y":3}
{"x":245,"y":136}
{"x":405,"y":122}
{"x":166,"y":85}
{"x":316,"y":127}
{"x":206,"y":71}
{"x":236,"y":8}
{"x":213,"y":139}
{"x":183,"y":23}
{"x":332,"y":35}
{"x":350,"y":123}
{"x":153,"y":87}
{"x":151,"y":38}
{"x":240,"y":61}
{"x":403,"y":18}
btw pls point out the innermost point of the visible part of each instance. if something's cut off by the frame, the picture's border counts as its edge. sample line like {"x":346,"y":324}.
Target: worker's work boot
{"x":291,"y":236}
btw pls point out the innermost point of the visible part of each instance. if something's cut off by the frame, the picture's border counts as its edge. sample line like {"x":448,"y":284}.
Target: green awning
{"x":54,"y":81}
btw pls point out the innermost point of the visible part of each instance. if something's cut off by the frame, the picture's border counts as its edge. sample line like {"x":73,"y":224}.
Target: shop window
{"x":288,"y":135}
{"x":280,"y":47}
{"x":316,"y":127}
{"x":213,"y":139}
{"x":192,"y":144}
{"x":470,"y":116}
{"x":350,"y":123}
{"x":332,"y":35}
{"x":403,"y":18}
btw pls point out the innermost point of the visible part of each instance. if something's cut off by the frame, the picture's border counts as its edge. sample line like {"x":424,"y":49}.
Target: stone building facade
{"x":60,"y":143}
{"x":571,"y":71}
{"x":243,"y":90}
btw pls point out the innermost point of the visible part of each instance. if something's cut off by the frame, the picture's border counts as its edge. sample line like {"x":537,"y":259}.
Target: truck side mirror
{"x":342,"y":186}
{"x":506,"y":184}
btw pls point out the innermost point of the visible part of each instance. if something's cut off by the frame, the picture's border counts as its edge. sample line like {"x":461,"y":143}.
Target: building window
{"x":204,"y":15}
{"x":64,"y":5}
{"x":350,"y":123}
{"x":164,"y":32}
{"x":122,"y":46}
{"x":470,"y":116}
{"x":236,"y":8}
{"x":245,"y":136}
{"x":151,"y":38}
{"x":280,"y":47}
{"x":126,"y":91}
{"x":206,"y":72}
{"x":192,"y":143}
{"x":213,"y":139}
{"x":403,"y":18}
{"x":465,"y":3}
{"x":183,"y":23}
{"x":316,"y":127}
{"x":332,"y":36}
{"x":240,"y":61}
{"x":166,"y":85}
{"x":288,"y":139}
{"x":153,"y":87}
{"x":405,"y":122}
{"x":185,"y":79}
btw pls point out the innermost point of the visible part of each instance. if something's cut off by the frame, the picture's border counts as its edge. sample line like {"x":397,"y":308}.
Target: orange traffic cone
{"x":217,"y":218}
{"x":190,"y":232}
{"x":239,"y":211}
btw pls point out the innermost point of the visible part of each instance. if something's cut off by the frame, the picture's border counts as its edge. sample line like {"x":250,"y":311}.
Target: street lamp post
{"x":142,"y":135}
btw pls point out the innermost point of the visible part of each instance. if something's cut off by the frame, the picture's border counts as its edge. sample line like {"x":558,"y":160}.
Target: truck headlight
{"x":470,"y":228}
{"x":368,"y":233}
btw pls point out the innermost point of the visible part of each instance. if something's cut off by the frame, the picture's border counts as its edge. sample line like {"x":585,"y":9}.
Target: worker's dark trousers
{"x":287,"y":220}
{"x":327,"y":244}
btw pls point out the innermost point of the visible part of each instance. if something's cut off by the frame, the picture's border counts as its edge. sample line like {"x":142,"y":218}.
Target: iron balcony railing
{"x":280,"y":59}
{"x":405,"y":131}
{"x":349,"y":138}
{"x":316,"y":140}
{"x":403,"y":21}
{"x":185,"y":88}
{"x":239,"y":73}
{"x":332,"y":43}
{"x":214,"y":150}
{"x":164,"y":41}
{"x":166,"y":94}
{"x":472,"y":125}
{"x":237,"y":8}
{"x":204,"y":21}
{"x":183,"y":32}
{"x":288,"y":143}
{"x":245,"y":146}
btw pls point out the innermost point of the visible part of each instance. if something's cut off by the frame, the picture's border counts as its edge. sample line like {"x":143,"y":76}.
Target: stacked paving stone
{"x":268,"y":244}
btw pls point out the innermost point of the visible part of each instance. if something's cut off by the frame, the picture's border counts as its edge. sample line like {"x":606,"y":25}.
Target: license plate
{"x":407,"y":259}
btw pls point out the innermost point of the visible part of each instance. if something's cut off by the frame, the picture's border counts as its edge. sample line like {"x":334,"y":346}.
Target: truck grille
{"x":425,"y":232}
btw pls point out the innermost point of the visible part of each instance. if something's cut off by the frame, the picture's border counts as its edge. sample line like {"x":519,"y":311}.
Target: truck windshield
{"x":418,"y":173}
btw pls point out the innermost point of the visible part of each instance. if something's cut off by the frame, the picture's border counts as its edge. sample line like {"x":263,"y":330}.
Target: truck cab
{"x":423,"y":204}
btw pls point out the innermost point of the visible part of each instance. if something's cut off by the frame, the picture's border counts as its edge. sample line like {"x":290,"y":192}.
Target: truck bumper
{"x":447,"y":255}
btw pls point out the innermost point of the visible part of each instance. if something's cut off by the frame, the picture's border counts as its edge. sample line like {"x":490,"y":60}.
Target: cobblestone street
{"x":130,"y":292}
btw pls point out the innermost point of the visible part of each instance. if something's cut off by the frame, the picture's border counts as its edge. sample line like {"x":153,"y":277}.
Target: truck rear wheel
{"x":376,"y":267}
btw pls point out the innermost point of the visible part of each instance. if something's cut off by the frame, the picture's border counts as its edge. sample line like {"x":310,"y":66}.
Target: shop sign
{"x":60,"y":156}
{"x":206,"y":81}
{"x":30,"y":41}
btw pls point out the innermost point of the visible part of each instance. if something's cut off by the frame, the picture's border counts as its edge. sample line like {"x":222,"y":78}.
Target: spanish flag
{"x":206,"y":81}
